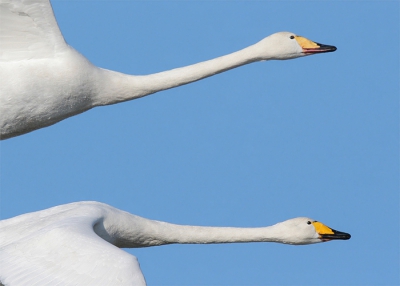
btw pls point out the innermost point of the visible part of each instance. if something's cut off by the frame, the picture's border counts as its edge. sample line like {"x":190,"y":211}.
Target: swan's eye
{"x":292,"y":37}
{"x":309,"y":222}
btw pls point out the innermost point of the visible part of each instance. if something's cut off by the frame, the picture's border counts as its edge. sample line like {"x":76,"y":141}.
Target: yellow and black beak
{"x":326,"y":233}
{"x":309,"y":47}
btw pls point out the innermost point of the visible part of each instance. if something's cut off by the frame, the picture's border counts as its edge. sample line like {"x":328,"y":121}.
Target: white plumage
{"x":43,"y":80}
{"x":77,"y":243}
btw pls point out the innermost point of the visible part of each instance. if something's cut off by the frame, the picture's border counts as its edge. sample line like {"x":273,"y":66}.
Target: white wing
{"x":63,"y":252}
{"x":28,"y":30}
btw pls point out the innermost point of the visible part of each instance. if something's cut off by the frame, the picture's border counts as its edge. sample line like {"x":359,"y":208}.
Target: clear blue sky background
{"x":316,"y":136}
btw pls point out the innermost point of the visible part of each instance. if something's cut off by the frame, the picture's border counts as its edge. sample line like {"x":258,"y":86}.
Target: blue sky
{"x":316,"y":136}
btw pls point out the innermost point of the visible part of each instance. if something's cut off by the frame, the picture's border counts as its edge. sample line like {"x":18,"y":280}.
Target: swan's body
{"x":43,"y":80}
{"x":78,"y":243}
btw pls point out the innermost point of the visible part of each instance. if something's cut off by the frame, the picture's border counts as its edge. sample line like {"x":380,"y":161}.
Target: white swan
{"x":43,"y":80}
{"x":77,"y":243}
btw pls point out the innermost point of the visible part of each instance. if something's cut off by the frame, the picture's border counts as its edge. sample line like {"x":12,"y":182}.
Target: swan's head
{"x":287,"y":45}
{"x":303,"y":230}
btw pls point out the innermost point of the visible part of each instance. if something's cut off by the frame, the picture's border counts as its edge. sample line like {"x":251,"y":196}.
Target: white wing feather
{"x":28,"y":30}
{"x":60,"y":248}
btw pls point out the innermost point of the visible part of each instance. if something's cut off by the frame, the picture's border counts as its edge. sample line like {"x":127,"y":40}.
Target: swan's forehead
{"x":301,"y":220}
{"x":302,"y":41}
{"x":300,"y":224}
{"x":285,"y":34}
{"x":319,"y":227}
{"x":306,"y":222}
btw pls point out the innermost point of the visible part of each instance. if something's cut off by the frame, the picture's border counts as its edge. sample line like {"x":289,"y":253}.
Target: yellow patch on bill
{"x":306,"y":43}
{"x":321,"y":228}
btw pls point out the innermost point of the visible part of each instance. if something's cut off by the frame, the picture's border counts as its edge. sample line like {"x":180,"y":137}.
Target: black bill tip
{"x":337,"y":235}
{"x":321,"y":49}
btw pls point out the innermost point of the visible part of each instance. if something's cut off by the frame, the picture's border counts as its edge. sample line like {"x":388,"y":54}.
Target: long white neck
{"x":117,"y":87}
{"x":170,"y":233}
{"x":127,"y":230}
